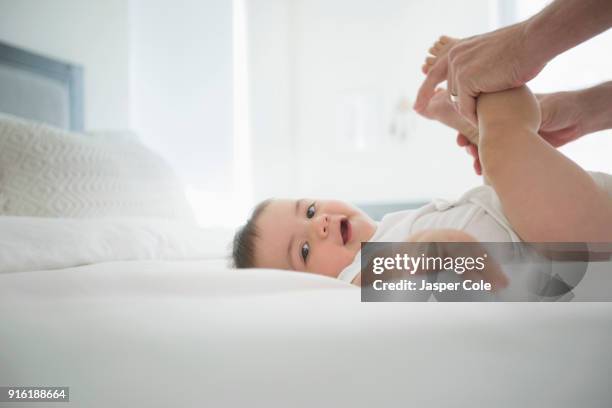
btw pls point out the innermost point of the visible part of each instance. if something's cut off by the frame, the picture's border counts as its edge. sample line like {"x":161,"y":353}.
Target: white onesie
{"x":478,"y":212}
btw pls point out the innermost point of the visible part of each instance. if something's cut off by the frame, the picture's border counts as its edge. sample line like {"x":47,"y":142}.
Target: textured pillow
{"x":48,"y":172}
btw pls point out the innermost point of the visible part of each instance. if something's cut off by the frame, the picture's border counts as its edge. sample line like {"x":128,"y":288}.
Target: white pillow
{"x":48,"y":172}
{"x":35,"y":243}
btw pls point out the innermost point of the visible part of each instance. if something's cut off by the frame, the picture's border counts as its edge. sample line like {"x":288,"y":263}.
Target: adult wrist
{"x":536,"y":35}
{"x":595,"y":106}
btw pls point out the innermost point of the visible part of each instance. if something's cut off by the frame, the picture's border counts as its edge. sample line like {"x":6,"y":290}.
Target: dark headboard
{"x":40,"y":88}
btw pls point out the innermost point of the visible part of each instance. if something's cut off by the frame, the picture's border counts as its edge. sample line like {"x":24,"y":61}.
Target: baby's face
{"x":316,"y":236}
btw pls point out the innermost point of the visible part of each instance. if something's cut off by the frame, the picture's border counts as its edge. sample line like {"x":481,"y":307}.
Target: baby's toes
{"x":445,"y":39}
{"x":442,"y":45}
{"x":435,"y":49}
{"x":429,"y":61}
{"x":439,"y":45}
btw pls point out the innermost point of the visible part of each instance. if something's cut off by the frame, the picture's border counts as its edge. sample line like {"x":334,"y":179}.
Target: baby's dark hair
{"x":243,"y":251}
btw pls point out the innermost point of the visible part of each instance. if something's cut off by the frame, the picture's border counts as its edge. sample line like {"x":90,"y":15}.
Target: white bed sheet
{"x":168,"y":333}
{"x":151,"y":332}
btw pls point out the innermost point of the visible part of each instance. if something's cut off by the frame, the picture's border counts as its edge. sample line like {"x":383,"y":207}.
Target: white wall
{"x":271,"y":89}
{"x":315,"y":60}
{"x":91,"y":33}
{"x":181,"y":88}
{"x":327,"y":74}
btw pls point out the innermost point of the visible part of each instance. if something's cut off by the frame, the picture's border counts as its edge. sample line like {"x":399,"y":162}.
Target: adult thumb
{"x":467,"y":107}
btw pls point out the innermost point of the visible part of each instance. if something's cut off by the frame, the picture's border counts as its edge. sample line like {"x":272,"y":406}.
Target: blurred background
{"x":250,"y":99}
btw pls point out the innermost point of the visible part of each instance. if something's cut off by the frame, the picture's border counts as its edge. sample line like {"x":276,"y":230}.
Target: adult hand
{"x":562,"y":118}
{"x":489,"y":62}
{"x":472,"y":150}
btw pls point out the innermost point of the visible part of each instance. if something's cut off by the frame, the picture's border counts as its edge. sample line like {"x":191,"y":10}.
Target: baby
{"x":535,"y":194}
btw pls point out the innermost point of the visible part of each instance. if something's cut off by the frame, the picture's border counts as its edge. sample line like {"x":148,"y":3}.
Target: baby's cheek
{"x":344,"y":259}
{"x":331,"y":263}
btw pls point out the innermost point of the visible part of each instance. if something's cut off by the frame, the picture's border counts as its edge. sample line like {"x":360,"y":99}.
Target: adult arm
{"x":567,"y":116}
{"x":513,"y":55}
{"x":564,"y":24}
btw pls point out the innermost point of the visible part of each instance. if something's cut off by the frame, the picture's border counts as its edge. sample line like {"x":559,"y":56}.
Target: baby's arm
{"x":492,"y":273}
{"x":545,"y":196}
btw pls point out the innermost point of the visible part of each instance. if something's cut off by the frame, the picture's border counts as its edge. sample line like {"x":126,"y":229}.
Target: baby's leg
{"x":545,"y":196}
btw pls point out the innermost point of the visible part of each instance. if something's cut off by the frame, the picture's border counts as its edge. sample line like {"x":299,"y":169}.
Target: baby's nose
{"x":322,"y":225}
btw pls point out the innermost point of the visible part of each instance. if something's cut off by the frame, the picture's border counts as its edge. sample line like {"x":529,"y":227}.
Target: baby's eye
{"x":310,"y":211}
{"x":305,"y":251}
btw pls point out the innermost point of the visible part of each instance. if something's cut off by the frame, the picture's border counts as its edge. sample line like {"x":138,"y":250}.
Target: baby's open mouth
{"x":345,"y":230}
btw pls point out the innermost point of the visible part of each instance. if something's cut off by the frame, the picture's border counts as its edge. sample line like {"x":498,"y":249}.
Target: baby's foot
{"x":438,"y":50}
{"x":440,"y":108}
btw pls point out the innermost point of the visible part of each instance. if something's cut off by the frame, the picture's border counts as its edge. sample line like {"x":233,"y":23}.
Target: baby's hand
{"x":445,"y":238}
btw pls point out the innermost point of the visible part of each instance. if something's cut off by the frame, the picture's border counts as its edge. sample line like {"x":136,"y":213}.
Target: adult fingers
{"x":462,"y":140}
{"x":560,"y":137}
{"x":436,"y":74}
{"x":473,"y":151}
{"x":466,"y":105}
{"x":477,"y":167}
{"x":450,"y":84}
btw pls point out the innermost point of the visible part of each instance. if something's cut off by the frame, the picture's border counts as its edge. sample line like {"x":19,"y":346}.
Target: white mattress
{"x":187,"y":333}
